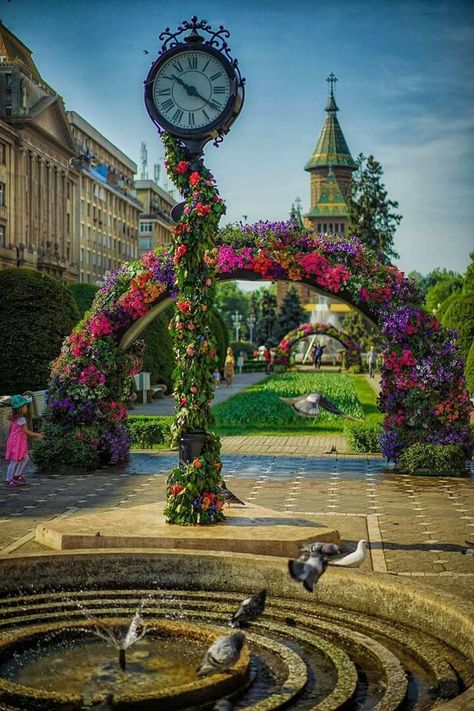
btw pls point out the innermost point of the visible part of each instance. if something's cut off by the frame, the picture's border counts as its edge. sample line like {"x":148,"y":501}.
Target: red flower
{"x":197,"y":463}
{"x":183,"y":402}
{"x":184,"y":306}
{"x":177,"y":489}
{"x":202,"y":210}
{"x":194,"y":178}
{"x":182,"y":166}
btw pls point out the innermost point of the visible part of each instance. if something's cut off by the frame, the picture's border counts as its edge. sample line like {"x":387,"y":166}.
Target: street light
{"x":237,"y":320}
{"x":251,"y":324}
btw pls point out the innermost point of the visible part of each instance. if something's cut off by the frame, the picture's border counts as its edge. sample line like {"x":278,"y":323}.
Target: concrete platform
{"x":247,"y":529}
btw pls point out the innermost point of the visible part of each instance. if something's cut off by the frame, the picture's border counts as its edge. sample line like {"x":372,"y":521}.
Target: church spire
{"x":331,"y":148}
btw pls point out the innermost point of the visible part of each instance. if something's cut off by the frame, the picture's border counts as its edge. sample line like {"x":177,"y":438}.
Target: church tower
{"x":330,"y":166}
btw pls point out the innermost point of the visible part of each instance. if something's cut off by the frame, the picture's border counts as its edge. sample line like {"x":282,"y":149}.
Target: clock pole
{"x":180,"y":92}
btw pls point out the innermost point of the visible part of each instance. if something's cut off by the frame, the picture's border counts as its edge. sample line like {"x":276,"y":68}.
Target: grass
{"x":259,"y":409}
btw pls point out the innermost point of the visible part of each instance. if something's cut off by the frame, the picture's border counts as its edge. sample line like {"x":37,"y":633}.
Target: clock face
{"x":191,"y":90}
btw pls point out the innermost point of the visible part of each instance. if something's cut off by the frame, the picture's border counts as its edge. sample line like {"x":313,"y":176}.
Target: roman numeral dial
{"x":191,"y":90}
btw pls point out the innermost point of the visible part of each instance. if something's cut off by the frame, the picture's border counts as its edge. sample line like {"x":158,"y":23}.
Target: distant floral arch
{"x":424,"y":395}
{"x":288,"y":342}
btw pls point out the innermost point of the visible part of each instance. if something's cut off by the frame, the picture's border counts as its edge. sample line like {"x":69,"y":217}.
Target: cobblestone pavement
{"x":416,"y":526}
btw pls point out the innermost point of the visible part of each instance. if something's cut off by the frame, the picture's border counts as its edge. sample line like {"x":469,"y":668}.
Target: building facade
{"x":107,"y":214}
{"x":155,"y":227}
{"x":37,"y":180}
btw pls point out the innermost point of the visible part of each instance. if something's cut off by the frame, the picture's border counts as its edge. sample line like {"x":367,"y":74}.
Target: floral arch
{"x":287,"y":343}
{"x":424,"y":395}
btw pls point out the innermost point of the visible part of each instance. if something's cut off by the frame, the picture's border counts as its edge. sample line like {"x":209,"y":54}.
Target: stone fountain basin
{"x":164,"y":696}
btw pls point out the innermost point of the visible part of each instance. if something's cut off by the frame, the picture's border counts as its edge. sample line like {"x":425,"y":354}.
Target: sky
{"x":405,"y":93}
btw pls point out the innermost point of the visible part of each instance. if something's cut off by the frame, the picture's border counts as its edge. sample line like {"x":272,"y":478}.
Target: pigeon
{"x":308,"y":571}
{"x":308,"y":405}
{"x":468,"y":551}
{"x":145,"y":51}
{"x":249,"y":609}
{"x":222,"y":654}
{"x":353,"y":560}
{"x":229,"y":496}
{"x":328,"y":550}
{"x":223,"y":705}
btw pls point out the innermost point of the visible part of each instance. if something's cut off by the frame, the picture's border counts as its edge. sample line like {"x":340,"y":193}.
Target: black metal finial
{"x":332,"y":79}
{"x":194,"y":36}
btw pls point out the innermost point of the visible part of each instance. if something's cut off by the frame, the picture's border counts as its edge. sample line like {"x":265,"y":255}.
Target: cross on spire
{"x":331,"y":80}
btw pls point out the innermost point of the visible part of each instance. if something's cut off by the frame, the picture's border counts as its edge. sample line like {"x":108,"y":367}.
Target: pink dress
{"x":17,"y":443}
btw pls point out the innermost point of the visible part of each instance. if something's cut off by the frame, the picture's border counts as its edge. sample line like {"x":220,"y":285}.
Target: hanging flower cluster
{"x":193,"y":491}
{"x":287,"y":343}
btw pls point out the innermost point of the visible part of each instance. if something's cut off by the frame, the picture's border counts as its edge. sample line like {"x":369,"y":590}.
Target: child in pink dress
{"x":17,"y":443}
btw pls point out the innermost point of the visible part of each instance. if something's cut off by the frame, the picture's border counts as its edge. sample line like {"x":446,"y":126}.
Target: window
{"x":2,"y":235}
{"x":146,"y":227}
{"x":336,"y":228}
{"x":325,"y":227}
{"x":145,"y":243}
{"x":342,"y":228}
{"x":330,"y":227}
{"x":2,"y":194}
{"x":319,"y":227}
{"x":3,"y":153}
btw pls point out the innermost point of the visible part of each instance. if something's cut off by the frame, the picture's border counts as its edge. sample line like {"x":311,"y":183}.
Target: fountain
{"x":358,"y":642}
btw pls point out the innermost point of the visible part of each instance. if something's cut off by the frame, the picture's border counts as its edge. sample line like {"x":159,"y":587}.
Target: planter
{"x":192,"y":445}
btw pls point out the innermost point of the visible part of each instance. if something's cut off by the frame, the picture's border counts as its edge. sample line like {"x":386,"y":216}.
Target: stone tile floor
{"x":417,"y":526}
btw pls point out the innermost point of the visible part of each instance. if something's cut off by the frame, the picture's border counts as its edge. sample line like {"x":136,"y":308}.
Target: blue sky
{"x":405,"y":70}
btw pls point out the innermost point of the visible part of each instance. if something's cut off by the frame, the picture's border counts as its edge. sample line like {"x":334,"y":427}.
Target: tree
{"x":266,"y":323}
{"x":371,"y":214}
{"x":291,"y":314}
{"x":84,"y":295}
{"x":460,"y":316}
{"x":440,"y":291}
{"x":229,"y":299}
{"x":468,"y":285}
{"x":359,"y":329}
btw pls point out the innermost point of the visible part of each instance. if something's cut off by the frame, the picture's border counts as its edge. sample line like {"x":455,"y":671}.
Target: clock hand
{"x":192,"y":91}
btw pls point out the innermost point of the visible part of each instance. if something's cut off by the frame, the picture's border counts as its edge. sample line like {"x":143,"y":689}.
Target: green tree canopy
{"x":440,"y":291}
{"x":230,"y":298}
{"x":84,"y":295}
{"x":468,"y":285}
{"x":359,"y":329}
{"x":371,"y":214}
{"x":266,"y":323}
{"x":291,"y":314}
{"x":460,"y":316}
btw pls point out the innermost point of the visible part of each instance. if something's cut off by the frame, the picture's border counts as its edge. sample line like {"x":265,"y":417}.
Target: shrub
{"x":355,"y":369}
{"x":158,"y":357}
{"x":36,"y":313}
{"x":244,"y":346}
{"x":460,"y":315}
{"x":254,"y":366}
{"x":221,"y":334}
{"x":469,"y":370}
{"x":147,"y":431}
{"x":433,"y":457}
{"x":363,"y":437}
{"x":84,"y":295}
{"x":59,"y":448}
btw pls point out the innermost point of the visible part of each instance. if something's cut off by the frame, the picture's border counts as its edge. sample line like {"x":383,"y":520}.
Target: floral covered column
{"x":193,"y":488}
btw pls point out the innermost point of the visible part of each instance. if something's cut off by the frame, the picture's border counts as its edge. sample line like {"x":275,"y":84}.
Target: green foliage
{"x":158,"y":357}
{"x":229,"y":299}
{"x":371,"y":215}
{"x":84,"y":295}
{"x":359,"y":329}
{"x":440,"y":291}
{"x":469,"y":370}
{"x":36,"y":313}
{"x":468,"y":286}
{"x":260,"y":407}
{"x":435,"y":458}
{"x":460,"y":315}
{"x":432,"y":278}
{"x":445,"y":305}
{"x":290,"y":315}
{"x":60,"y":449}
{"x":221,"y":333}
{"x":363,"y":437}
{"x":254,"y":366}
{"x":245,"y":346}
{"x":149,"y":430}
{"x":265,"y":325}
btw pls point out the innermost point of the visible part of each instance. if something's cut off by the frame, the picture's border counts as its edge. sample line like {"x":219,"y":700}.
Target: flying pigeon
{"x":222,"y":654}
{"x":308,"y":405}
{"x":353,"y":560}
{"x":229,"y":496}
{"x":309,"y":571}
{"x":223,"y":705}
{"x":249,"y":609}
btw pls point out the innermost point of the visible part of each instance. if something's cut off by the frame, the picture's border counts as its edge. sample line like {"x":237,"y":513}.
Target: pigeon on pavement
{"x":328,"y":550}
{"x":229,"y":496}
{"x":249,"y":609}
{"x":353,"y":560}
{"x":308,"y":571}
{"x":222,"y":654}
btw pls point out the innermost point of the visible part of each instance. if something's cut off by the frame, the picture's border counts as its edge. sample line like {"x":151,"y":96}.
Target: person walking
{"x":372,"y":361}
{"x":17,"y":443}
{"x":267,"y":356}
{"x":229,"y":367}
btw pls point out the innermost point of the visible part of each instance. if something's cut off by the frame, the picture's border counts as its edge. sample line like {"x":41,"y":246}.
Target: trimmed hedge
{"x":36,"y":314}
{"x":363,"y":437}
{"x":469,"y":369}
{"x":59,"y":448}
{"x":460,"y":316}
{"x":149,"y":430}
{"x":434,"y":458}
{"x":84,"y":295}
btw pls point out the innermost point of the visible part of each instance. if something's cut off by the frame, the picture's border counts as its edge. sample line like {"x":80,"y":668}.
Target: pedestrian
{"x":17,"y":443}
{"x":229,"y":367}
{"x":372,"y":361}
{"x":318,"y":352}
{"x":217,"y":377}
{"x":267,"y":356}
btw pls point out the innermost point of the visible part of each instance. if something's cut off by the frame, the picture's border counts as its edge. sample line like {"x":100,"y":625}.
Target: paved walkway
{"x":165,"y":406}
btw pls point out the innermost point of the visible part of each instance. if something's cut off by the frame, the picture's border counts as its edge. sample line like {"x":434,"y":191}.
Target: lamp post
{"x":251,"y":324}
{"x":237,"y":320}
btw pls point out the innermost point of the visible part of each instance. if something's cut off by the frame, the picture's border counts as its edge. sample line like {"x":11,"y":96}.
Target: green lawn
{"x":259,"y":409}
